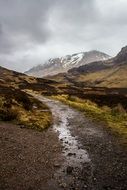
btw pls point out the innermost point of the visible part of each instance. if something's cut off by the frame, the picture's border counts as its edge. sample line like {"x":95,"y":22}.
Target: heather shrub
{"x":8,"y":114}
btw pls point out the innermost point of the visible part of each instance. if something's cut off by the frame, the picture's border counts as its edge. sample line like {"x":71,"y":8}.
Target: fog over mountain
{"x":33,"y":31}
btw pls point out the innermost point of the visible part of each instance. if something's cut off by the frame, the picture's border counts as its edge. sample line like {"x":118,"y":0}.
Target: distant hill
{"x":15,"y":80}
{"x":63,"y":64}
{"x":107,"y":73}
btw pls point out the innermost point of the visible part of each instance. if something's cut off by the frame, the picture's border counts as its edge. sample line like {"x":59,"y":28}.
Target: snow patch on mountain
{"x":69,"y":61}
{"x":63,"y":64}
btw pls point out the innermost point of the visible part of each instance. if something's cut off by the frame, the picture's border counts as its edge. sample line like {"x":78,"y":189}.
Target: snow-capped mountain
{"x":63,"y":64}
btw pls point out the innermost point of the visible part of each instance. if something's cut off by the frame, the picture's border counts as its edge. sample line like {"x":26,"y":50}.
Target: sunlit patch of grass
{"x":36,"y":119}
{"x":115,"y":118}
{"x":26,"y":111}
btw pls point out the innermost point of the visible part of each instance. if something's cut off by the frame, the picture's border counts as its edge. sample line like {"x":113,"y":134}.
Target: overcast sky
{"x":31,"y":31}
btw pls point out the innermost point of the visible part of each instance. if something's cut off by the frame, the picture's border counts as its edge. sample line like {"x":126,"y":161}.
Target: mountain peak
{"x":122,"y":55}
{"x":63,"y":64}
{"x":124,"y":49}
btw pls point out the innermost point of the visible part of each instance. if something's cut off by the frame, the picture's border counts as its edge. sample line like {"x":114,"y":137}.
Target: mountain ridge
{"x":108,"y":73}
{"x":119,"y":59}
{"x":63,"y":64}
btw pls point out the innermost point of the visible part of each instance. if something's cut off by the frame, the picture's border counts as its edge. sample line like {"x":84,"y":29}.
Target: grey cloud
{"x":28,"y":18}
{"x":42,"y":29}
{"x":5,"y":41}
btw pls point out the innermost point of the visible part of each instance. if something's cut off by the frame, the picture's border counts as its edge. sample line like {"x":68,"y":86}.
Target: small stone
{"x":22,"y":126}
{"x":63,"y":185}
{"x":57,"y":165}
{"x":69,"y":169}
{"x":71,"y":154}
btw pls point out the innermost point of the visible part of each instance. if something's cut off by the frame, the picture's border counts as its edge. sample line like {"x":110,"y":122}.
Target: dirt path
{"x":75,"y":154}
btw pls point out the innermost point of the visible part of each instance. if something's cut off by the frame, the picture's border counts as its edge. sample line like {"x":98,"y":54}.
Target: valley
{"x":63,"y":95}
{"x":66,"y":131}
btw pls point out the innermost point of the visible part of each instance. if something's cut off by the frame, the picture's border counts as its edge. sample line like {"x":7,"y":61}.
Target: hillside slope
{"x":108,"y":73}
{"x":13,"y":79}
{"x":19,"y":107}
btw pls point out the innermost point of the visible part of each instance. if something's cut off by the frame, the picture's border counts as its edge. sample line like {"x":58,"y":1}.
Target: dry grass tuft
{"x":116,"y":118}
{"x":25,"y":110}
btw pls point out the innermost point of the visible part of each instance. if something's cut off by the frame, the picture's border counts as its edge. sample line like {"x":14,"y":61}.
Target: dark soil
{"x":27,"y":158}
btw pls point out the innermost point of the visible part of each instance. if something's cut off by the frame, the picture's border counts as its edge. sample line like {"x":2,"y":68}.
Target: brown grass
{"x":24,"y":110}
{"x":113,"y":77}
{"x":116,"y":118}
